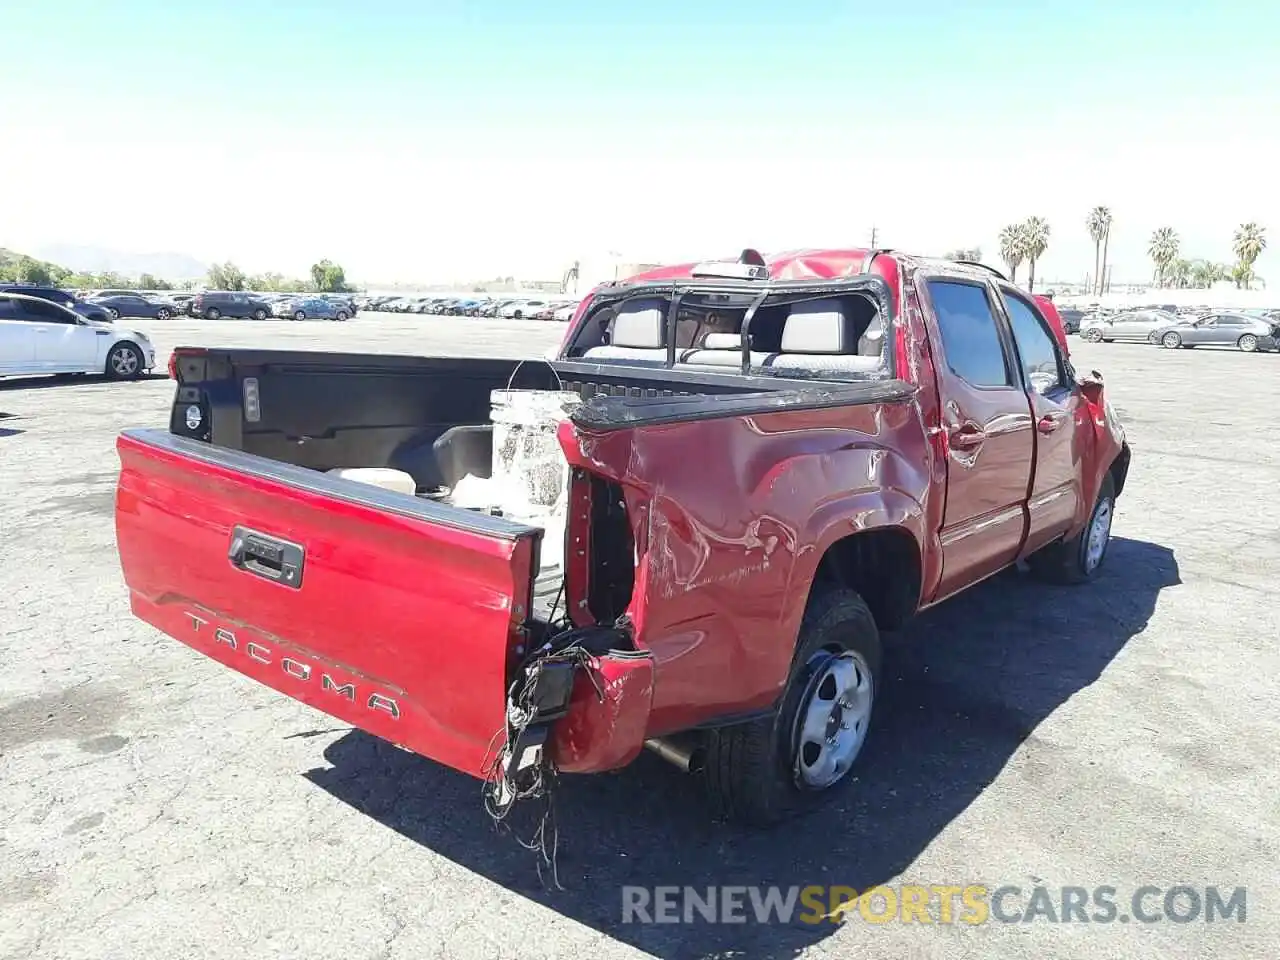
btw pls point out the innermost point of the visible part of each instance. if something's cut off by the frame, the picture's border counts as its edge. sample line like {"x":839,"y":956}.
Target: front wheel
{"x":1171,"y":341}
{"x":1248,"y":343}
{"x":213,"y":313}
{"x":114,"y":313}
{"x":259,"y":314}
{"x":765,"y":770}
{"x":163,"y":313}
{"x":1092,"y":335}
{"x":300,"y":315}
{"x":124,"y":362}
{"x":1079,"y":559}
{"x":342,"y":315}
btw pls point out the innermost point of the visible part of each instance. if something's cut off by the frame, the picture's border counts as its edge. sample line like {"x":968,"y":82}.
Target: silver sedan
{"x":1238,"y":330}
{"x":1138,"y":326}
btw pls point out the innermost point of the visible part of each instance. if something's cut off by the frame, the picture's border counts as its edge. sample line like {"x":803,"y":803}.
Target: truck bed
{"x":411,"y":618}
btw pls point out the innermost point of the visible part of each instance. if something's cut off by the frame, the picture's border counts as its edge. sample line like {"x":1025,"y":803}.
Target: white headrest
{"x":722,"y":341}
{"x":817,"y":326}
{"x":639,"y":323}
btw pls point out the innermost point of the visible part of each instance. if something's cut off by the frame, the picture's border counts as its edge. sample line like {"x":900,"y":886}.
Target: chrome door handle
{"x":1050,"y":422}
{"x":969,"y":436}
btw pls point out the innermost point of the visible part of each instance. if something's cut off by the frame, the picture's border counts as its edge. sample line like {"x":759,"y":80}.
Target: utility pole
{"x":874,"y":237}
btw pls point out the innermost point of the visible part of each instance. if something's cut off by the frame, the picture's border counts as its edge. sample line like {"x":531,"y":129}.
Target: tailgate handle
{"x":266,"y":556}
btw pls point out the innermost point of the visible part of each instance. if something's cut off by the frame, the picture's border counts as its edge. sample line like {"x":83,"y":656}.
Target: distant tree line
{"x":326,"y":277}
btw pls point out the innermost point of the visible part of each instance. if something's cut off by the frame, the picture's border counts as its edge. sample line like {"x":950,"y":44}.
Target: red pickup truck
{"x":771,"y":461}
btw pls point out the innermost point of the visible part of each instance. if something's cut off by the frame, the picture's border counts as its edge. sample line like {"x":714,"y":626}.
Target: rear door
{"x":987,"y":428}
{"x":393,"y":613}
{"x":1063,"y":431}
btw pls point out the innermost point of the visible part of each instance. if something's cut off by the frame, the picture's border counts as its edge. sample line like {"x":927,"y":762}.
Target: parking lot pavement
{"x":156,"y":805}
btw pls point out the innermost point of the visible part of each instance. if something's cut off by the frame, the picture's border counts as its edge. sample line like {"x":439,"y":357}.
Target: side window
{"x":1036,"y":346}
{"x":970,"y":337}
{"x":8,"y":309}
{"x":41,"y":311}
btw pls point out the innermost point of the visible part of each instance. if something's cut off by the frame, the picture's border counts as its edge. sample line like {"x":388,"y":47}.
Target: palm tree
{"x":1180,"y":273}
{"x":1250,"y":240}
{"x":1099,"y":224}
{"x":1035,"y":241}
{"x":1205,"y":273}
{"x":1011,"y":249}
{"x":1163,"y":250}
{"x":1243,"y":274}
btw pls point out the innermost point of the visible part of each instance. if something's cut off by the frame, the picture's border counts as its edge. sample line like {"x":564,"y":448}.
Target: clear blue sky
{"x":568,"y":127}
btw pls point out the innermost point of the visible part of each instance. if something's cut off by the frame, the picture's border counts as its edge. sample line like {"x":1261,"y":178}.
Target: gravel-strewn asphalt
{"x":156,"y":805}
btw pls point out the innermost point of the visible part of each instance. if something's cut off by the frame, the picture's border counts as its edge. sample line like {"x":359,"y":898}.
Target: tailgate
{"x":395,"y":614}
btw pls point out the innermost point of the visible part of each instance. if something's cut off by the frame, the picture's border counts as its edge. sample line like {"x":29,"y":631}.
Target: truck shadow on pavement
{"x":968,"y":683}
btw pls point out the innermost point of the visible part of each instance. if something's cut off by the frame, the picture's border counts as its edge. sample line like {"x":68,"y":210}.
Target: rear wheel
{"x":766,"y":770}
{"x":124,"y":362}
{"x":1093,"y":335}
{"x":213,"y":313}
{"x":1248,"y":343}
{"x":1171,"y":340}
{"x":1079,"y":559}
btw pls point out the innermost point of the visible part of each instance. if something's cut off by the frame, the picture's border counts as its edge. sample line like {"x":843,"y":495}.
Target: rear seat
{"x":637,"y":336}
{"x":819,"y":335}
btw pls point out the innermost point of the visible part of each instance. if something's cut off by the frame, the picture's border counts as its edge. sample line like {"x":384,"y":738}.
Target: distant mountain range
{"x":169,"y":266}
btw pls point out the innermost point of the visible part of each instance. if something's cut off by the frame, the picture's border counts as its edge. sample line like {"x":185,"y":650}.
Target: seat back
{"x":823,"y":335}
{"x":638,"y":334}
{"x":721,"y":350}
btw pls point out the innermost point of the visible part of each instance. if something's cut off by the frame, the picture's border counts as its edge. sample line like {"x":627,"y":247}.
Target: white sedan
{"x":37,"y":336}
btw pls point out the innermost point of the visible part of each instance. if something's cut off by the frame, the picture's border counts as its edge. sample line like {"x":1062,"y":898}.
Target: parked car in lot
{"x":60,"y":297}
{"x":1224,"y":329}
{"x":520,"y":309}
{"x":214,"y":304}
{"x":38,"y":336}
{"x":763,"y":475}
{"x":312,"y":308}
{"x":134,"y":305}
{"x":1137,"y":326}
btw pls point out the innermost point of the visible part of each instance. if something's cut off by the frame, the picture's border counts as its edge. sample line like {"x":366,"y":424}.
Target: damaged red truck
{"x":772,"y":462}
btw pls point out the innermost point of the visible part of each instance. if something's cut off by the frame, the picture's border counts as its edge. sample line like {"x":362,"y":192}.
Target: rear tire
{"x":213,"y":313}
{"x":1248,"y":343}
{"x":1079,"y":559}
{"x":765,"y":770}
{"x":124,"y":362}
{"x":1092,"y":335}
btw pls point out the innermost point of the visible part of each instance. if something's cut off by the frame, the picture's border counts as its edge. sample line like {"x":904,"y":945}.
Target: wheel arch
{"x":883,"y":565}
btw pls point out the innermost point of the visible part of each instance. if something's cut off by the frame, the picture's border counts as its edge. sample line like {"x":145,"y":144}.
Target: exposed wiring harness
{"x":517,"y":768}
